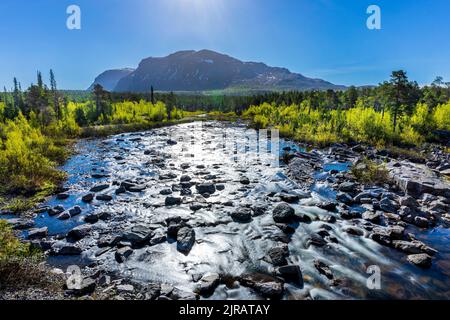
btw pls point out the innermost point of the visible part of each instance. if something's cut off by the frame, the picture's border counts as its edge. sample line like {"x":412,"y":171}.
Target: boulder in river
{"x":185,"y":239}
{"x":422,"y":260}
{"x":61,"y":248}
{"x":79,"y":232}
{"x":283,"y":213}
{"x":173,"y":201}
{"x":38,"y":233}
{"x":206,"y":188}
{"x":99,"y":188}
{"x":291,"y":273}
{"x":278,"y":255}
{"x":266,"y":285}
{"x":104,"y":197}
{"x":208,"y":283}
{"x":242,"y":215}
{"x":21,"y":224}
{"x":88,"y":198}
{"x":122,"y":254}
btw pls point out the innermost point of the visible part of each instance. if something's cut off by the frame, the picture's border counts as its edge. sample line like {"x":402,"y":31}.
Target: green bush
{"x":369,"y":172}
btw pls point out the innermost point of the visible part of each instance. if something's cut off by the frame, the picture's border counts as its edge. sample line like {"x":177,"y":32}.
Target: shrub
{"x":20,"y":264}
{"x":369,"y":172}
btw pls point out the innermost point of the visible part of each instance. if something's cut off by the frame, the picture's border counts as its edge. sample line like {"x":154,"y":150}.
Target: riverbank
{"x":226,"y":225}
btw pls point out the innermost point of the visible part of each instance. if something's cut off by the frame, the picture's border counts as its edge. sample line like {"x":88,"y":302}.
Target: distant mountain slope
{"x":109,"y":79}
{"x":208,"y":70}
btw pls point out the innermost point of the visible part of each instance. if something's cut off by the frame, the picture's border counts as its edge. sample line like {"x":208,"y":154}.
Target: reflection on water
{"x":224,"y":154}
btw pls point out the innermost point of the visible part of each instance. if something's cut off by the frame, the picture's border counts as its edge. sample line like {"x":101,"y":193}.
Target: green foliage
{"x":441,"y":116}
{"x":358,"y":124}
{"x":26,"y":164}
{"x":369,"y":172}
{"x":11,"y":247}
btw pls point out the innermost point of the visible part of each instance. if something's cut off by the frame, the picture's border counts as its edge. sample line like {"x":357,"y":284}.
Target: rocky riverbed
{"x":200,"y":211}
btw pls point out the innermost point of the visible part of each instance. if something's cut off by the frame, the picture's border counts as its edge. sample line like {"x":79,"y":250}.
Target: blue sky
{"x":319,"y":38}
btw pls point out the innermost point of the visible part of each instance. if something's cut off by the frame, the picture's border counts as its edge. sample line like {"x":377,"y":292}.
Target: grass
{"x":20,"y":264}
{"x":369,"y":172}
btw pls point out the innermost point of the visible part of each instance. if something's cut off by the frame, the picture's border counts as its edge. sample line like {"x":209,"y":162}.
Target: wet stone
{"x":38,"y":233}
{"x":204,"y":188}
{"x":185,"y":239}
{"x":242,"y":215}
{"x":283,"y":213}
{"x":173,"y":201}
{"x":422,"y":260}
{"x":99,"y":188}
{"x":122,"y":254}
{"x":104,"y":197}
{"x":88,"y":198}
{"x":278,"y":255}
{"x":79,"y":232}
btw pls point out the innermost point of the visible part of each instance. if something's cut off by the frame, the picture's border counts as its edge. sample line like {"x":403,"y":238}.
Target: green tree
{"x":55,"y":95}
{"x":102,"y":102}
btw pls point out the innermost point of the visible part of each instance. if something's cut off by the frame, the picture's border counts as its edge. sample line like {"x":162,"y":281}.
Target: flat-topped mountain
{"x":207,"y":70}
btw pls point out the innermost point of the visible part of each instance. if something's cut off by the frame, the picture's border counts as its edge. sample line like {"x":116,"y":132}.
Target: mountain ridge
{"x":207,"y":70}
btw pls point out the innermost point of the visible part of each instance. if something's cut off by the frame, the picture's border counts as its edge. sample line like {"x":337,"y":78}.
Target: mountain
{"x":109,"y":79}
{"x":207,"y":70}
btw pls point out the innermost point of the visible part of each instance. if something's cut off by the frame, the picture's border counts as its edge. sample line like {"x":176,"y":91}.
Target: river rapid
{"x":237,"y":172}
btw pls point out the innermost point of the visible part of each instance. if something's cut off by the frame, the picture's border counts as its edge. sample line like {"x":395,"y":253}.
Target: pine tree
{"x":55,"y":95}
{"x":40,"y":83}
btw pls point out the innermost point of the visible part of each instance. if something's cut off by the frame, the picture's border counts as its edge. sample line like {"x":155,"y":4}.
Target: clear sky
{"x":319,"y":38}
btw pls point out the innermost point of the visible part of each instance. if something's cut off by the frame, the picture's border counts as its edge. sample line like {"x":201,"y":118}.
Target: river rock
{"x":138,"y":235}
{"x":278,"y":255}
{"x":328,"y":206}
{"x":79,"y":232}
{"x":86,"y":287}
{"x":208,"y":283}
{"x":347,"y":186}
{"x":64,"y":215}
{"x":374,"y":217}
{"x":173,"y":201}
{"x":417,"y":179}
{"x":38,"y":233}
{"x":104,"y":197}
{"x":344,"y":198}
{"x":21,"y":224}
{"x":99,"y":188}
{"x":74,"y":211}
{"x":388,"y":205}
{"x":422,"y":260}
{"x":242,"y":215}
{"x":244,"y":181}
{"x":61,"y":248}
{"x":323,"y":269}
{"x":268,"y":286}
{"x":206,"y":188}
{"x":88,"y":198}
{"x":55,"y":211}
{"x":185,"y":239}
{"x":91,"y":218}
{"x":413,"y":247}
{"x":62,"y":196}
{"x":122,"y":254}
{"x":291,"y":273}
{"x":283,"y":213}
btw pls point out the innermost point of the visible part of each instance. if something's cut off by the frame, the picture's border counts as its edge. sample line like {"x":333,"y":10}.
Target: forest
{"x":37,"y":125}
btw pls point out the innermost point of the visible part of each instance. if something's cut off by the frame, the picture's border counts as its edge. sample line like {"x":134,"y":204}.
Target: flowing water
{"x":224,"y":154}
